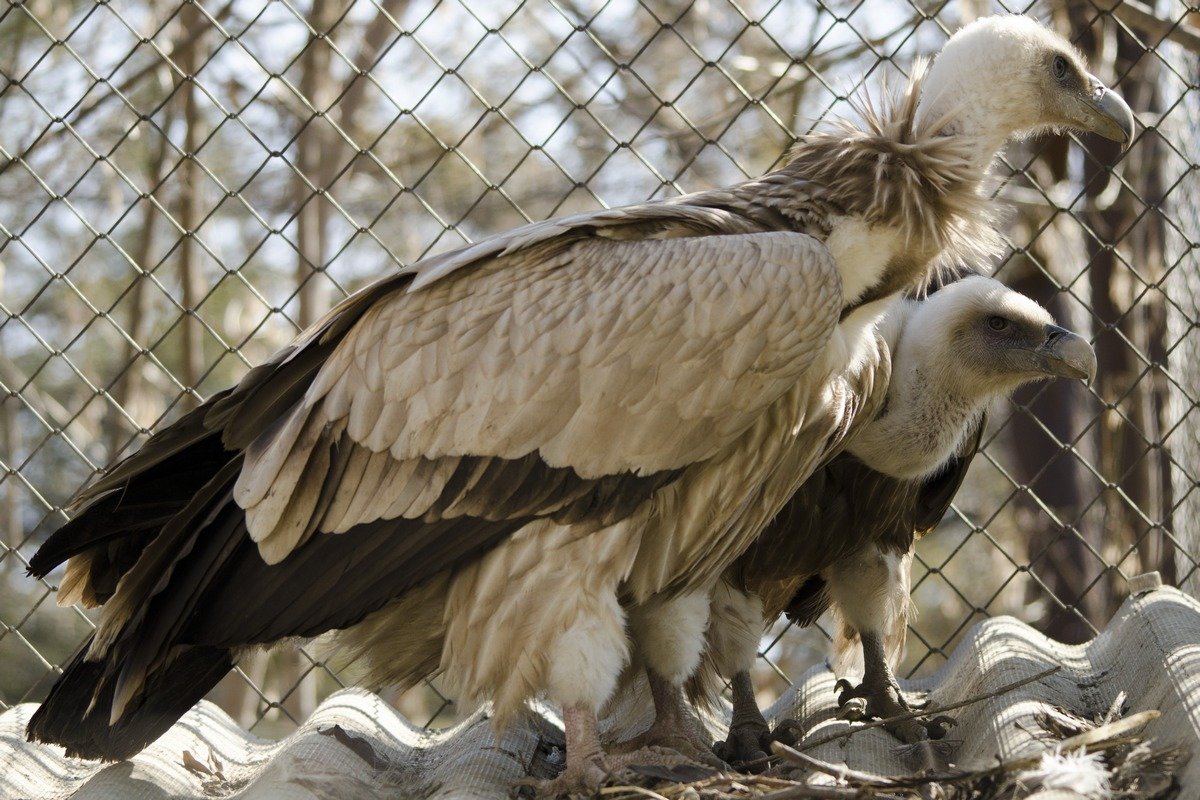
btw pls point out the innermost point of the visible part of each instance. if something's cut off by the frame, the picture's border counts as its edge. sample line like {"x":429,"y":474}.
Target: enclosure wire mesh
{"x":185,"y":185}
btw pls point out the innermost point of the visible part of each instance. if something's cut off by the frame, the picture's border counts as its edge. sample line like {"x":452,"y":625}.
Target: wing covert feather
{"x":603,"y":356}
{"x":756,"y":290}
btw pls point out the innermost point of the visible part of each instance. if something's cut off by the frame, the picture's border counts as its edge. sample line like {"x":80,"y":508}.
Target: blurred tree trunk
{"x":1125,"y":268}
{"x":1061,"y":534}
{"x":1078,"y":523}
{"x":14,"y":444}
{"x":188,"y":202}
{"x":129,"y":390}
{"x":321,"y":152}
{"x":379,"y":31}
{"x":316,"y":145}
{"x":1182,"y":127}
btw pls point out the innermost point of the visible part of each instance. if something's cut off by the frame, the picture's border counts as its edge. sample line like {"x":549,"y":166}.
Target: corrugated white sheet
{"x":355,"y":746}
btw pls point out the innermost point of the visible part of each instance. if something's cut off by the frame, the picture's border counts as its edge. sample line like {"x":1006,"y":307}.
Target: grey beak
{"x":1108,"y":113}
{"x":1067,"y":355}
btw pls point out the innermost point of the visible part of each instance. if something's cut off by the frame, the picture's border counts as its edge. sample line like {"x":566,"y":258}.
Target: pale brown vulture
{"x":540,"y":430}
{"x":845,"y":539}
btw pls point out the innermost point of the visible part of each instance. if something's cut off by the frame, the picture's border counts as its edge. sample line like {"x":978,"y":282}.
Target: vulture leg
{"x":749,"y":739}
{"x":589,"y":767}
{"x":733,"y":634}
{"x":586,"y":768}
{"x":675,"y":727}
{"x":870,"y":593}
{"x":669,"y":636}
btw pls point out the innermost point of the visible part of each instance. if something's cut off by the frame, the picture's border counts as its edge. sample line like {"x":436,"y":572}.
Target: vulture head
{"x":1008,"y":76}
{"x":967,"y":344}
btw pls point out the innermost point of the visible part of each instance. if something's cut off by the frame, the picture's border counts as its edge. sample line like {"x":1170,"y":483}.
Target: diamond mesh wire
{"x":184,"y":185}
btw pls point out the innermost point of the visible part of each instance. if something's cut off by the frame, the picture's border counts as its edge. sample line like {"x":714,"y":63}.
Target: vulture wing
{"x":568,"y":370}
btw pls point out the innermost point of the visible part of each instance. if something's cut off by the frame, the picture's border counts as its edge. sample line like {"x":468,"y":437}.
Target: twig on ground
{"x":840,"y":771}
{"x":631,"y":789}
{"x":819,"y":791}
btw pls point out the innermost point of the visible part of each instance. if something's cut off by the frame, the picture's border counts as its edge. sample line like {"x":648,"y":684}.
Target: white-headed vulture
{"x":845,"y":539}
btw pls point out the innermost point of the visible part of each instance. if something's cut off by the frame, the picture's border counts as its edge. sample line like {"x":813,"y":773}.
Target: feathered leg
{"x":669,"y":638}
{"x":870,"y":592}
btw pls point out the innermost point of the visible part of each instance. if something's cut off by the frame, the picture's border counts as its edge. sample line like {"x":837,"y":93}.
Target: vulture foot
{"x":883,"y":700}
{"x":747,"y":745}
{"x":789,"y":732}
{"x":682,"y":741}
{"x":749,"y":741}
{"x":585,"y":777}
{"x":674,"y":727}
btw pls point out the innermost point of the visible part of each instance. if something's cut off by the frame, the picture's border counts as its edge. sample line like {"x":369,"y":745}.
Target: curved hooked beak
{"x":1105,"y":112}
{"x":1066,"y":355}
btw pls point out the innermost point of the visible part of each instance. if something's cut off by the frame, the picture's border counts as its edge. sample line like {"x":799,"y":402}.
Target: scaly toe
{"x":663,"y":763}
{"x":909,"y":731}
{"x":855,"y":709}
{"x":788,"y":731}
{"x":586,"y":778}
{"x":578,"y":779}
{"x":679,"y":742}
{"x":746,"y":745}
{"x":875,"y":701}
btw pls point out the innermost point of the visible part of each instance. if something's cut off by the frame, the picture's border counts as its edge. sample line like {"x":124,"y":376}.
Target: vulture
{"x":539,"y":435}
{"x":845,"y":539}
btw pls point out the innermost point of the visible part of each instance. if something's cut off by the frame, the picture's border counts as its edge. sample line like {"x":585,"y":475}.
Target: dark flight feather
{"x":76,"y":713}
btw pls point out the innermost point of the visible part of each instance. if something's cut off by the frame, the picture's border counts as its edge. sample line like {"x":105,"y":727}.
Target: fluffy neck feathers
{"x":899,"y":170}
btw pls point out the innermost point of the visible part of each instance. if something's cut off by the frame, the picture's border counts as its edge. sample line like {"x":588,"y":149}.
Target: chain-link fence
{"x":185,"y":184}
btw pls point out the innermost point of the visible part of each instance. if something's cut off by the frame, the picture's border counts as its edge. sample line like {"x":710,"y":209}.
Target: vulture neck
{"x":930,"y":408}
{"x":924,"y":425}
{"x":975,"y":123}
{"x":955,"y":102}
{"x":891,"y":194}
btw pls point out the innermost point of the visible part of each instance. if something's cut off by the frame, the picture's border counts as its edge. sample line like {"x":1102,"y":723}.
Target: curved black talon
{"x":939,"y":726}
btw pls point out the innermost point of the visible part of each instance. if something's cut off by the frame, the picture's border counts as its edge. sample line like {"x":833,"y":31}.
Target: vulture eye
{"x":997,"y":323}
{"x":1060,"y":68}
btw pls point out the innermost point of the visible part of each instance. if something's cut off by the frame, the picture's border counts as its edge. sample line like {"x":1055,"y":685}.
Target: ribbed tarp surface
{"x":356,"y":746}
